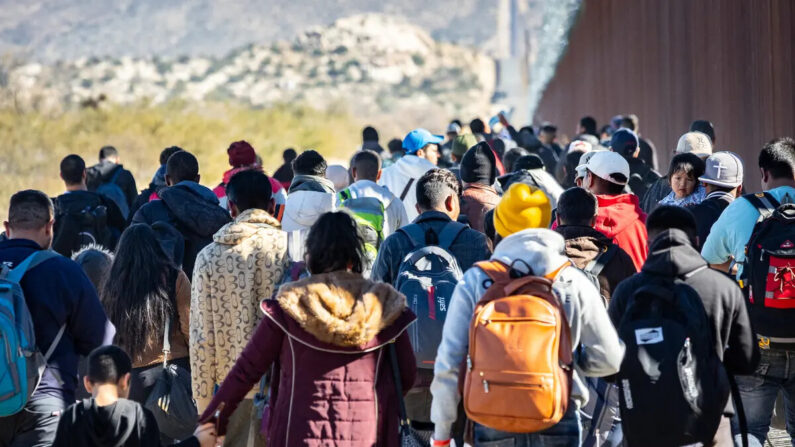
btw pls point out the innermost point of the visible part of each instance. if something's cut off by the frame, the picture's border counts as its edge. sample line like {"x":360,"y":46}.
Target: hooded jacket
{"x":584,"y":244}
{"x":327,"y":334}
{"x":672,"y":255}
{"x":476,"y":201}
{"x":308,"y":198}
{"x":123,"y":423}
{"x":190,"y":208}
{"x":598,"y":351}
{"x":397,"y":176}
{"x":103,"y":171}
{"x":621,"y":219}
{"x":243,"y":265}
{"x":394,"y":211}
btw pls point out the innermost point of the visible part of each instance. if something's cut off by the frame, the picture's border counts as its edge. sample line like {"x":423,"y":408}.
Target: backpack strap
{"x":30,"y":262}
{"x":598,"y":263}
{"x":415,"y":234}
{"x":115,"y":175}
{"x":764,"y":203}
{"x":406,"y":189}
{"x":166,"y":341}
{"x":344,"y":195}
{"x":450,"y":233}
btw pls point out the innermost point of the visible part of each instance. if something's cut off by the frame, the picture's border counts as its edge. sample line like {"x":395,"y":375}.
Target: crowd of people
{"x":491,"y":286}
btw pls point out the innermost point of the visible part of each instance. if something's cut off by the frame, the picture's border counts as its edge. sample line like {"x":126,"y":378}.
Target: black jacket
{"x":708,"y":212}
{"x":193,"y":210}
{"x":671,"y":254}
{"x":641,"y":177}
{"x":122,"y":424}
{"x":103,"y":171}
{"x":654,"y":194}
{"x":64,"y":238}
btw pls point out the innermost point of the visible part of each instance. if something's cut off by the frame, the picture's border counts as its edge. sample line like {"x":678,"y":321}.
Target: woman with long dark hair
{"x":329,"y":338}
{"x":144,"y":292}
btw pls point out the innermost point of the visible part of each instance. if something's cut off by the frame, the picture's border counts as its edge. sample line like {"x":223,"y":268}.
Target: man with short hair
{"x":587,"y":126}
{"x":366,"y":170}
{"x":422,"y":153}
{"x":310,"y":195}
{"x":61,"y":300}
{"x":646,"y":150}
{"x":725,"y":247}
{"x":370,"y":140}
{"x":672,"y":232}
{"x":109,"y":170}
{"x":245,"y":262}
{"x":587,"y":248}
{"x":187,"y":206}
{"x":446,"y":150}
{"x":547,"y":135}
{"x":83,"y":217}
{"x":619,"y":217}
{"x":641,"y":175}
{"x":437,"y":198}
{"x":158,"y":181}
{"x":723,"y":180}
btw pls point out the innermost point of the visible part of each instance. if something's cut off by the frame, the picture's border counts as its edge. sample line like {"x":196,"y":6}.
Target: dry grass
{"x":33,"y":143}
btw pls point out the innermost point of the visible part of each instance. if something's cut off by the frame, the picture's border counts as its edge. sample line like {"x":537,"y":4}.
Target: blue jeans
{"x":775,"y":373}
{"x":565,"y":433}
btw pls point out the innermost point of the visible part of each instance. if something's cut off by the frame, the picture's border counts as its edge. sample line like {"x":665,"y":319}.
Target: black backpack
{"x":769,"y":269}
{"x":78,"y":225}
{"x":673,"y":387}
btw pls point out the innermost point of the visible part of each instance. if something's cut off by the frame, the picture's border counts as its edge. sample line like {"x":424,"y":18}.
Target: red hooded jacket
{"x":621,"y":219}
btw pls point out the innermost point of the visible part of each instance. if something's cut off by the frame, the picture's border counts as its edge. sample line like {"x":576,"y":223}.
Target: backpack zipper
{"x":486,"y":383}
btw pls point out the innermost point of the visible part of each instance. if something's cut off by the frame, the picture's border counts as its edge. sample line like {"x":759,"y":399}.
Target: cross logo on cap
{"x":719,"y":167}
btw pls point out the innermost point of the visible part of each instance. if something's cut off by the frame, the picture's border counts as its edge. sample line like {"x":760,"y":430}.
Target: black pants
{"x":34,"y":426}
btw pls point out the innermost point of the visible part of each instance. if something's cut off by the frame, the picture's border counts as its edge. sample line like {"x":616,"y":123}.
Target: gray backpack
{"x":427,"y":276}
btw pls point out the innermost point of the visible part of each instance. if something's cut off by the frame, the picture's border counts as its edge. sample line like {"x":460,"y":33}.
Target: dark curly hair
{"x":335,"y":243}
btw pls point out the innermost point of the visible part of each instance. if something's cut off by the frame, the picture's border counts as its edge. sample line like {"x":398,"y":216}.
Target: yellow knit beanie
{"x":522,"y":207}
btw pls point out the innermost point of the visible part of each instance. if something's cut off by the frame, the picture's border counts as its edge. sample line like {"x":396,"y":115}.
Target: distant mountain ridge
{"x":52,"y":30}
{"x":372,"y":63}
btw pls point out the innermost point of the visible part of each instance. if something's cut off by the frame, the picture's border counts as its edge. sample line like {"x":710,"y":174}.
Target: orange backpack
{"x":519,"y":366}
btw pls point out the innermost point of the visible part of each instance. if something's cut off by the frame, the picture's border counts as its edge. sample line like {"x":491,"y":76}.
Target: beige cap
{"x":696,"y":142}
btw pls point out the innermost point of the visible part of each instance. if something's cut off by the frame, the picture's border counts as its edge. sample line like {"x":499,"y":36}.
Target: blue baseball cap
{"x":418,"y":139}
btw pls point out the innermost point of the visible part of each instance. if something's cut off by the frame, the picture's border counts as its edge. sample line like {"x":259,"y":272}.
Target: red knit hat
{"x":241,"y":154}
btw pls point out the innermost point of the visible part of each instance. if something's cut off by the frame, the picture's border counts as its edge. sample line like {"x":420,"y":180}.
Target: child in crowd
{"x":108,"y":418}
{"x":683,"y":174}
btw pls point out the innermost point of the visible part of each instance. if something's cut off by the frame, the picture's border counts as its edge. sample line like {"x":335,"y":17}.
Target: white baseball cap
{"x":604,"y":164}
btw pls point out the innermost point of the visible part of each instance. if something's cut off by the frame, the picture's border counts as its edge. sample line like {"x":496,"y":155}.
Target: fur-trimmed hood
{"x":341,"y":308}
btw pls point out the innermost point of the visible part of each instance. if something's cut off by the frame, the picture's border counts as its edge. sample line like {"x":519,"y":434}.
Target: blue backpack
{"x":427,"y":276}
{"x":113,"y":192}
{"x":23,"y":364}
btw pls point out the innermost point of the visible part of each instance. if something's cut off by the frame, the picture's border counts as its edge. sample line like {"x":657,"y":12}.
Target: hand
{"x":206,"y":435}
{"x":220,"y":441}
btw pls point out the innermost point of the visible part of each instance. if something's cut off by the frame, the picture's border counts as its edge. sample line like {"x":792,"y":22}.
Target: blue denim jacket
{"x":470,"y":247}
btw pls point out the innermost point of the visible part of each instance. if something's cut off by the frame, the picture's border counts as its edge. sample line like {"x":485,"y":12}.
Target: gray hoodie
{"x":598,"y":350}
